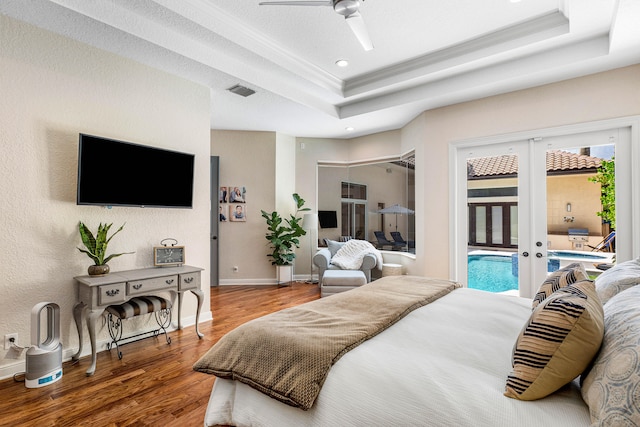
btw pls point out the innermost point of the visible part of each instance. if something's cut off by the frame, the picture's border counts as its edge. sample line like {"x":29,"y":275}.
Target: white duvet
{"x":444,"y":364}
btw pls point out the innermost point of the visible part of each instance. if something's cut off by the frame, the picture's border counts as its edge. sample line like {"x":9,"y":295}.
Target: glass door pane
{"x":492,"y":186}
{"x":360,"y":221}
{"x":346,"y":215}
{"x":577,"y":220}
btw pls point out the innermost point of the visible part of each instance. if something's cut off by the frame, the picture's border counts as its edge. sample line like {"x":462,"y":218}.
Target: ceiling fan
{"x":346,"y":8}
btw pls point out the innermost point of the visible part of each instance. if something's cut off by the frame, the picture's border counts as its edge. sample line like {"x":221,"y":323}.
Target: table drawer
{"x":111,"y":294}
{"x":189,"y":281}
{"x":144,"y":286}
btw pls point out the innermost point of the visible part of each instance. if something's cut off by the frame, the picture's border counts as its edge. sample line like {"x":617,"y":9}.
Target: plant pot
{"x":285,"y":274}
{"x":98,"y":270}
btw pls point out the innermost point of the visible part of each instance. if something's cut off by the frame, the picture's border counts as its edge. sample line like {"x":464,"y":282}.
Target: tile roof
{"x":557,"y":161}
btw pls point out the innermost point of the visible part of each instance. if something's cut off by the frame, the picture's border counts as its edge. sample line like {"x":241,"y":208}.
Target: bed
{"x":446,"y":363}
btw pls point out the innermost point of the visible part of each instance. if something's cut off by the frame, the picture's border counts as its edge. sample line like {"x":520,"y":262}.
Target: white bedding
{"x":444,"y":364}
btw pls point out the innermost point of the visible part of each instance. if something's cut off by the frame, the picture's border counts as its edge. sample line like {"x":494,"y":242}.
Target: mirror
{"x":351,"y":196}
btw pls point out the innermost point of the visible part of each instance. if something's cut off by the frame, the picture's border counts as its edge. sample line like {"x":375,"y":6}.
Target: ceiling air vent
{"x":241,"y":90}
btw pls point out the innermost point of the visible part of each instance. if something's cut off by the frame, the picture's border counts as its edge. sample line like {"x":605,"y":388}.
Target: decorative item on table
{"x":96,"y":247}
{"x":165,"y":255}
{"x":283,"y":236}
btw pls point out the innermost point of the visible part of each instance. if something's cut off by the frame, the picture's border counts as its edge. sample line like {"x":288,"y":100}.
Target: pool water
{"x":491,"y":273}
{"x":499,"y":272}
{"x":577,"y":256}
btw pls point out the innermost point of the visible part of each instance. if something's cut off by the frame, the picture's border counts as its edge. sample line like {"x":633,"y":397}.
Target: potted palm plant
{"x":96,"y":247}
{"x":283,"y":237}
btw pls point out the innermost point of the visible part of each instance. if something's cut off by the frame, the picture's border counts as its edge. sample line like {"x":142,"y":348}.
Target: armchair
{"x":322,"y":260}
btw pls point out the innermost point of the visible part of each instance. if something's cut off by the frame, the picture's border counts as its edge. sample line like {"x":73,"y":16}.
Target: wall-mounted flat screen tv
{"x":118,"y":173}
{"x":328,"y":219}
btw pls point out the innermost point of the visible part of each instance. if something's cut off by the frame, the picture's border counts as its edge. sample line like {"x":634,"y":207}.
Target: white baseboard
{"x":262,"y":282}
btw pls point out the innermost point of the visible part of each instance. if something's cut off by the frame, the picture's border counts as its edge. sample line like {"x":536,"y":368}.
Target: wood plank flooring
{"x":153,"y":384}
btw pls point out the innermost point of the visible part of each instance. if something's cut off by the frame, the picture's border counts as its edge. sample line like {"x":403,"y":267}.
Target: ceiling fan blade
{"x":296,"y":3}
{"x":356,"y":23}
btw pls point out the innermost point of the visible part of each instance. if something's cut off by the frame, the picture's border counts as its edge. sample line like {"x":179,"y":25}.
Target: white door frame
{"x":627,"y":180}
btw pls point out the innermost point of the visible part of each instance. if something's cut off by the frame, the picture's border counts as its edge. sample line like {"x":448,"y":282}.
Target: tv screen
{"x":328,"y":219}
{"x":118,"y":173}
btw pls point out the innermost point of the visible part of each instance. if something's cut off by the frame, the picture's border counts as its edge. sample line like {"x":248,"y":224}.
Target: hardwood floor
{"x":153,"y":384}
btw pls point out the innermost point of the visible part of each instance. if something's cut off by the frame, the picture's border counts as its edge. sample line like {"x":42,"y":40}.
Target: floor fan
{"x":44,"y":357}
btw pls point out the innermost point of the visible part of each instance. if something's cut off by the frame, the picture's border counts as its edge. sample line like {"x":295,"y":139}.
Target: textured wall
{"x":52,"y":89}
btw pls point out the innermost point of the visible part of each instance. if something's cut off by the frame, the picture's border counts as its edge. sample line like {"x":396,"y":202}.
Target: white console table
{"x":96,"y":293}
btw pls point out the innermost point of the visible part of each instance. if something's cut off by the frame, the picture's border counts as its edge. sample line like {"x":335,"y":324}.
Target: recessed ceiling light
{"x":342,"y":63}
{"x":514,"y":1}
{"x":349,"y":129}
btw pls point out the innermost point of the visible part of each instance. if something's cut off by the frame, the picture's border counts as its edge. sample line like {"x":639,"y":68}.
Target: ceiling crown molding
{"x":540,"y":28}
{"x":208,"y":15}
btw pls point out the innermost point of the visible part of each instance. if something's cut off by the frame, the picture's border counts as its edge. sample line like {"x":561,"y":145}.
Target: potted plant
{"x":96,"y":247}
{"x":283,"y":236}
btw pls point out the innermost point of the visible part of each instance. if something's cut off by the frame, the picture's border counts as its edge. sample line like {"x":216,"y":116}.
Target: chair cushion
{"x":568,"y":275}
{"x":557,"y":343}
{"x":139,"y":305}
{"x":343,"y":278}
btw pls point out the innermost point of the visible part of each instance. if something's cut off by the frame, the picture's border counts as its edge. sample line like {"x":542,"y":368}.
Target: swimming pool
{"x":495,"y":271}
{"x":489,"y":272}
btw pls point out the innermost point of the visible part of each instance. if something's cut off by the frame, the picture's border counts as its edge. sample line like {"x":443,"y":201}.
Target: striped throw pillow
{"x":557,"y":343}
{"x":566,"y":276}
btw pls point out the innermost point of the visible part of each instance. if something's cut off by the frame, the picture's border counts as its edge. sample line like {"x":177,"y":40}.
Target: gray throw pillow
{"x":615,"y":280}
{"x":611,"y":388}
{"x":334,"y":246}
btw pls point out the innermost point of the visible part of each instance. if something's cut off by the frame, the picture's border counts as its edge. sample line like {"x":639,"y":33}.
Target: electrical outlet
{"x":10,"y":339}
{"x":235,"y":268}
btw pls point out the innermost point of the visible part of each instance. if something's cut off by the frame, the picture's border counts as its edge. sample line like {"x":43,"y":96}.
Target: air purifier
{"x":44,"y":357}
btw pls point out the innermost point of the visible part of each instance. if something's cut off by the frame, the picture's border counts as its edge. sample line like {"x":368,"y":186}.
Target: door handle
{"x":525,"y":254}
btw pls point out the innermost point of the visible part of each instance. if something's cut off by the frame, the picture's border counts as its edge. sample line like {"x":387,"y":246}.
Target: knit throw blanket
{"x":351,"y":254}
{"x":287,"y":355}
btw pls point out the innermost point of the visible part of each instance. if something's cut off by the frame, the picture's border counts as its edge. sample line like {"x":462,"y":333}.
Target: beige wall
{"x":584,"y":197}
{"x":596,"y":97}
{"x":51,"y":89}
{"x":249,"y":159}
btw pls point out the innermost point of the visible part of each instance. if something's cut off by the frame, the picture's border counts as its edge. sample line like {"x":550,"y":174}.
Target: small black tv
{"x":119,"y":173}
{"x":328,"y":219}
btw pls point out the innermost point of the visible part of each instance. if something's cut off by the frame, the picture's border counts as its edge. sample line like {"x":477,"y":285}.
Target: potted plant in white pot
{"x":96,"y":247}
{"x":283,"y":236}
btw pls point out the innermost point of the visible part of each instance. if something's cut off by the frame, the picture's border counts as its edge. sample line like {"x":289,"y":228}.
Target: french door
{"x":511,"y":216}
{"x":494,"y":213}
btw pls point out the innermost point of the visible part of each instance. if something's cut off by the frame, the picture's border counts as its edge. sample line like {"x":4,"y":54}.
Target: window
{"x":354,"y":210}
{"x":357,"y":191}
{"x":493,"y":224}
